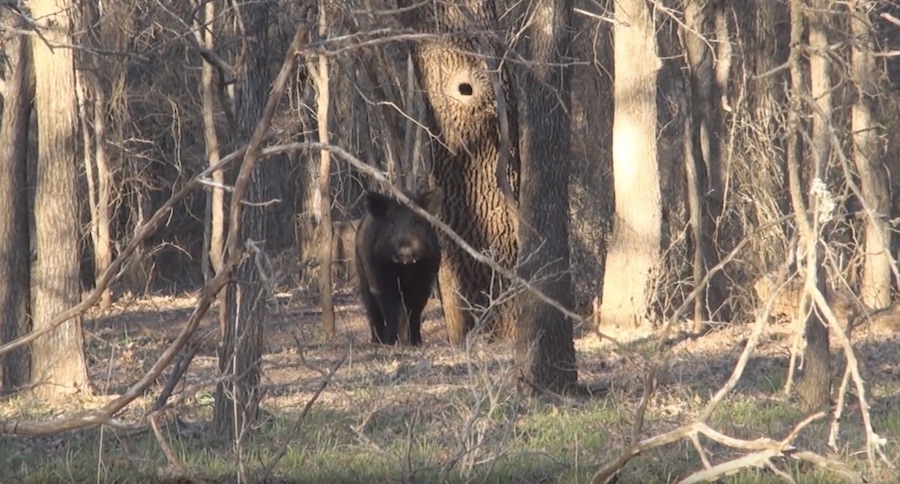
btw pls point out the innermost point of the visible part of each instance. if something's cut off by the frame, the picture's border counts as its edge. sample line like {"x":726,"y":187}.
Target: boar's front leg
{"x":394,"y":316}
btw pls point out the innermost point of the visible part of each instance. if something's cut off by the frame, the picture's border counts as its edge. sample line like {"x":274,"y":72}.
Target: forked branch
{"x":761,"y":451}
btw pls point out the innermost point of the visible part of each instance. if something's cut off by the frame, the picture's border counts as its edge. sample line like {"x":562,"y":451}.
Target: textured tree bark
{"x":703,"y":157}
{"x":464,"y":112}
{"x":634,"y":251}
{"x":873,"y":180}
{"x":100,"y":219}
{"x":237,"y":399}
{"x":545,"y":350}
{"x":320,"y":66}
{"x":814,"y":387}
{"x":214,"y":229}
{"x":14,"y":239}
{"x":58,"y":364}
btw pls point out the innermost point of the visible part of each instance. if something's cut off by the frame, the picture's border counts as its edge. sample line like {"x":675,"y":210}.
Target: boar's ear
{"x":432,"y":201}
{"x":378,"y":204}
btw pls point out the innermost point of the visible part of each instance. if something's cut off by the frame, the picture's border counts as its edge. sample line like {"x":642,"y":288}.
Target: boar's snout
{"x":405,"y":255}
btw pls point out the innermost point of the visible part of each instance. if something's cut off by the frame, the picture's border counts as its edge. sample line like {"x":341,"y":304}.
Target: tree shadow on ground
{"x":382,"y":392}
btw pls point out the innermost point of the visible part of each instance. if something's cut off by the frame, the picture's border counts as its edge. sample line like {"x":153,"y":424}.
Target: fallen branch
{"x":763,"y":450}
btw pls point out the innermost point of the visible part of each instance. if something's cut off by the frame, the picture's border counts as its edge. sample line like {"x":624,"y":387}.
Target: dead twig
{"x":251,"y":155}
{"x":168,"y":452}
{"x":660,"y":353}
{"x":762,"y":451}
{"x":298,"y":424}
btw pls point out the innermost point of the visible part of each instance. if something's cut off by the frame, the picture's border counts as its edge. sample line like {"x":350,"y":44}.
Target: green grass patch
{"x":525,"y":442}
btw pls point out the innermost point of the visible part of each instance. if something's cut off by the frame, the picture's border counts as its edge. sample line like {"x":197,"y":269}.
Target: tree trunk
{"x":92,"y":92}
{"x":468,"y":159}
{"x":703,"y":158}
{"x":545,"y":350}
{"x":14,"y":240}
{"x":634,"y":251}
{"x":876,"y":279}
{"x":320,"y":76}
{"x":214,"y":229}
{"x":697,"y":181}
{"x":99,"y":184}
{"x":814,"y":388}
{"x":58,"y":358}
{"x":237,"y":398}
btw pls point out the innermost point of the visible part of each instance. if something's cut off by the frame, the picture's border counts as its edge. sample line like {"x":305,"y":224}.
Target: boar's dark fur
{"x":397,"y":260}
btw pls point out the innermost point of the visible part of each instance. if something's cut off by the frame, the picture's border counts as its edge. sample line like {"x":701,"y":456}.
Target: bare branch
{"x":282,"y":450}
{"x":763,"y":449}
{"x":168,"y":451}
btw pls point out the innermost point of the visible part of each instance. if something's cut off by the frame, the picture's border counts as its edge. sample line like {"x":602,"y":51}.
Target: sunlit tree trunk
{"x":58,"y":358}
{"x":319,"y":67}
{"x":463,"y":109}
{"x":214,"y":223}
{"x":873,"y":179}
{"x":814,"y":388}
{"x":14,"y":239}
{"x":634,"y":251}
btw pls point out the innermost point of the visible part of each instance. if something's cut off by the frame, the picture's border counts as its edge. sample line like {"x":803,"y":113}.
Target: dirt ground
{"x":125,"y":340}
{"x":396,"y":385}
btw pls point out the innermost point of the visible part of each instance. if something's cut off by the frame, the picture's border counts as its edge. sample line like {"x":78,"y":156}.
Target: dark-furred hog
{"x":397,"y":260}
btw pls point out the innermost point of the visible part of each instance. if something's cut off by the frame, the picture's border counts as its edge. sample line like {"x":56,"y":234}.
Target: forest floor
{"x":439,"y":413}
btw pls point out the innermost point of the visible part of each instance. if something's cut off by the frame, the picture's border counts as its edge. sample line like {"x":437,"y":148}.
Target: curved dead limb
{"x":763,"y":450}
{"x":611,"y":469}
{"x":874,"y":442}
{"x":169,"y":453}
{"x":756,"y":459}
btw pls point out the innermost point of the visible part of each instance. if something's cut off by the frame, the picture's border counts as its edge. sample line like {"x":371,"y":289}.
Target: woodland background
{"x":690,"y":149}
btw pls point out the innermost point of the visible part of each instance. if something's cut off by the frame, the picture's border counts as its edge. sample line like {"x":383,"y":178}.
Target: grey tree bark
{"x":545,"y":350}
{"x":814,"y":387}
{"x":634,"y":251}
{"x":468,"y":159}
{"x":237,"y":398}
{"x":703,"y":155}
{"x":58,"y":363}
{"x":873,"y":179}
{"x":15,"y":252}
